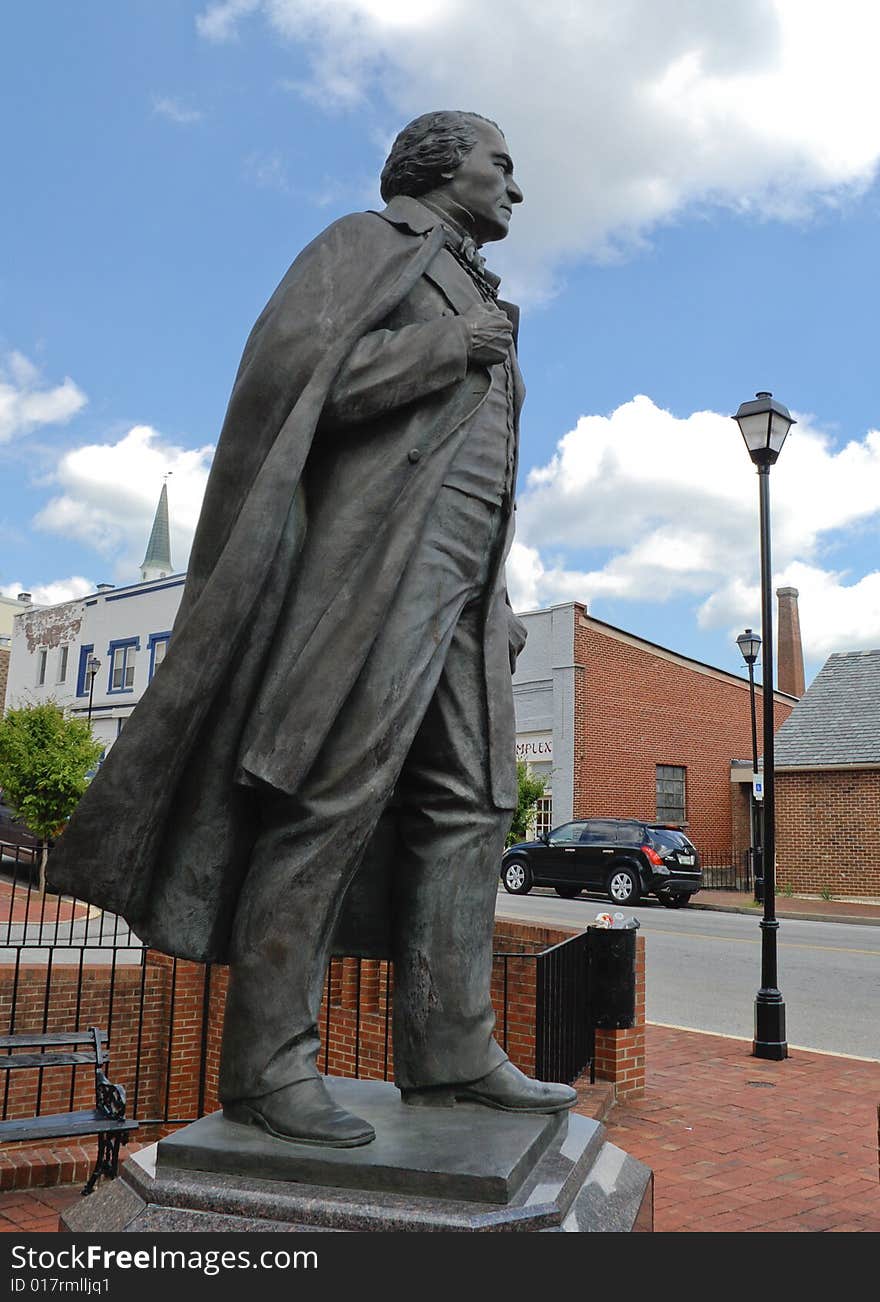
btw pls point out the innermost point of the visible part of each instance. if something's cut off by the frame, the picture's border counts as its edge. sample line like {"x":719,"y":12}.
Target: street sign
{"x":758,"y":786}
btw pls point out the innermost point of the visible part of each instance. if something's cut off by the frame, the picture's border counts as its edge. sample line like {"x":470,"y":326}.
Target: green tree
{"x":529,"y":790}
{"x":45,"y":756}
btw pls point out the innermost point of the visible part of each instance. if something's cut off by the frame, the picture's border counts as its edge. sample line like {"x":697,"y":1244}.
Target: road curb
{"x":789,"y":913}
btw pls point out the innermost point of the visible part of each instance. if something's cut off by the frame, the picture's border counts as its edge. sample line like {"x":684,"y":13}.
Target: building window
{"x":62,"y":664}
{"x":671,"y":802}
{"x":158,"y":645}
{"x":543,"y":815}
{"x":42,"y":657}
{"x":82,"y":673}
{"x":122,"y":656}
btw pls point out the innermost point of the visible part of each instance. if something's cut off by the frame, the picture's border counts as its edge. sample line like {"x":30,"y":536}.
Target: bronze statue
{"x":337,"y":692}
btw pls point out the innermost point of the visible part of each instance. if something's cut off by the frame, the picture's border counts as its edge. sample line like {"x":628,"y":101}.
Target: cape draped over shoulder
{"x":163,"y":834}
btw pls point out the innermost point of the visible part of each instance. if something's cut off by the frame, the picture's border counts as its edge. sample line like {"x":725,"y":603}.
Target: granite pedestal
{"x":467,"y":1168}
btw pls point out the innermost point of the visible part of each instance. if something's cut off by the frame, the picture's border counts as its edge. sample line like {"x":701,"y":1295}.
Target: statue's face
{"x":484,"y":184}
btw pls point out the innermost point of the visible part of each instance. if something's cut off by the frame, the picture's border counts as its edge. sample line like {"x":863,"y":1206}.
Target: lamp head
{"x":764,"y":425}
{"x":749,"y":644}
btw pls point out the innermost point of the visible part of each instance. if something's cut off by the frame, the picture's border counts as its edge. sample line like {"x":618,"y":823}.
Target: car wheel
{"x":516,"y":877}
{"x":679,"y":901}
{"x":568,"y":892}
{"x":623,"y":886}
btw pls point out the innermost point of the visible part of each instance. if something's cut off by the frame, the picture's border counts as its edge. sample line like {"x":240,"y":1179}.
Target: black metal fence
{"x":564,"y":1018}
{"x":727,"y":870}
{"x":62,"y":961}
{"x":66,"y":965}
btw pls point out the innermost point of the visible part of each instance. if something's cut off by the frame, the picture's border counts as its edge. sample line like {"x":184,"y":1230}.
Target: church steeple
{"x":157,"y":561}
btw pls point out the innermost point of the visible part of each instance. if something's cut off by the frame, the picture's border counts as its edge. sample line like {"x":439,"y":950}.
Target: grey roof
{"x":159,"y":547}
{"x":837,"y":721}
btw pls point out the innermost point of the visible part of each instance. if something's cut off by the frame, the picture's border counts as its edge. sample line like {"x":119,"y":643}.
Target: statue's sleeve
{"x":390,"y":368}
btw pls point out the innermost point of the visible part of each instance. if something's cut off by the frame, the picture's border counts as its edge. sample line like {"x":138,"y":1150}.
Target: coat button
{"x":414,"y":455}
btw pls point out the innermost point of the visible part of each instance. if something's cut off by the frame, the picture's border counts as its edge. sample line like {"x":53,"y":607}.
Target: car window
{"x":566,"y":833}
{"x":599,"y":832}
{"x":667,"y":838}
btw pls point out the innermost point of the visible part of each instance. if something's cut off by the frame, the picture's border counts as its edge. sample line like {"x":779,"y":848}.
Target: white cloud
{"x":50,"y":594}
{"x":109,"y":494}
{"x":619,"y":115}
{"x":219,"y":21}
{"x":26,"y":403}
{"x":166,"y":107}
{"x":667,"y":508}
{"x":268,"y":171}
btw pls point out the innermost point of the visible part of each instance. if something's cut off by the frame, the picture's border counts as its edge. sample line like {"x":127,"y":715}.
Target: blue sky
{"x":700,"y":221}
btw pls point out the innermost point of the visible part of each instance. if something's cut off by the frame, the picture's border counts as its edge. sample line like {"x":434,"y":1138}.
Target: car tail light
{"x":652,"y":855}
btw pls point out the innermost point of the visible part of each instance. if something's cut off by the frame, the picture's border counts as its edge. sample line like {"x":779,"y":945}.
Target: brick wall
{"x":172,"y":1028}
{"x":98,"y":996}
{"x":827,"y":831}
{"x":635,"y":709}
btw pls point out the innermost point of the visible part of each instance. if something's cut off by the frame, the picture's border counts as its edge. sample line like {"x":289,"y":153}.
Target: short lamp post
{"x":93,"y":664}
{"x":764,"y":425}
{"x":749,"y":644}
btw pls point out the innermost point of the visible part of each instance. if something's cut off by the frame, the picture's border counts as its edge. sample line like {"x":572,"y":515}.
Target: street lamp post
{"x":92,"y":665}
{"x":764,"y":425}
{"x":749,"y":644}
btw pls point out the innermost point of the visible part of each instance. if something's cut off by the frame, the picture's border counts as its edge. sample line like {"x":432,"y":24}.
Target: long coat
{"x":163,"y":834}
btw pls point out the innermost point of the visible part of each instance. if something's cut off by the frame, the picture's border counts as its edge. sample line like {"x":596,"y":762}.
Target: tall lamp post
{"x":764,"y":425}
{"x":93,"y":664}
{"x":749,"y":644}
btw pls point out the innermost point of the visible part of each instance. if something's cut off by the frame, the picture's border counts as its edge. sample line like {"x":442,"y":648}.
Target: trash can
{"x":611,"y":968}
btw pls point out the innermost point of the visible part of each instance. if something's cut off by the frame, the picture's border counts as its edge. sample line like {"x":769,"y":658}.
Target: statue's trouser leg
{"x":311,"y":844}
{"x":450,"y":841}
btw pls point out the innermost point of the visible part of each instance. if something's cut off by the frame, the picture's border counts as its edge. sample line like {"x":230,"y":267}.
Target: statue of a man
{"x":338,"y":686}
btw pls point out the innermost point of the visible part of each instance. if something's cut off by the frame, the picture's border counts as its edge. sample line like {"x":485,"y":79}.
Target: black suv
{"x":621,"y":857}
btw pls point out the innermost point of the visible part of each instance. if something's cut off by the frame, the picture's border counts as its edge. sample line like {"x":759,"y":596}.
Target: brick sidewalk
{"x":21,"y":903}
{"x":736,"y":1144}
{"x":806,"y":907}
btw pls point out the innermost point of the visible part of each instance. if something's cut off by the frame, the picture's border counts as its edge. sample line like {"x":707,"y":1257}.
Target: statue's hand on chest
{"x":490,"y":334}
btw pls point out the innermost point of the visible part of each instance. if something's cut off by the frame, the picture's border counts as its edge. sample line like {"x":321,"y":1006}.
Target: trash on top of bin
{"x":615,"y":922}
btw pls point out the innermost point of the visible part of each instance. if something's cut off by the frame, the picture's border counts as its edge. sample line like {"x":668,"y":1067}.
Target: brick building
{"x":828,"y":781}
{"x":621,"y":727}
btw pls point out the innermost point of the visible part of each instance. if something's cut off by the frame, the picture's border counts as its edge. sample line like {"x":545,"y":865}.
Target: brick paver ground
{"x":23,"y":903}
{"x":35,"y":1211}
{"x":738,"y":1144}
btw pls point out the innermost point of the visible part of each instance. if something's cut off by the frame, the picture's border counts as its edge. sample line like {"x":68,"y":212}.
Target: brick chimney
{"x":790,"y":652}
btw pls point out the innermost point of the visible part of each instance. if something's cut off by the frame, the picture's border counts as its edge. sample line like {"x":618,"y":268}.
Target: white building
{"x":9,"y":608}
{"x":95,"y":655}
{"x":121,"y":633}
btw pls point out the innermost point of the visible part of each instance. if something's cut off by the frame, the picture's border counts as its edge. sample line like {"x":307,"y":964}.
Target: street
{"x":704,"y":968}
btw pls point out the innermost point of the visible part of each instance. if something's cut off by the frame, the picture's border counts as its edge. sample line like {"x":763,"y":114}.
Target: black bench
{"x":106,"y":1119}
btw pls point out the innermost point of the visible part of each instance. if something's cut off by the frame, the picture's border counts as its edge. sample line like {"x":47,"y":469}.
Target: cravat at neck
{"x":463,"y":248}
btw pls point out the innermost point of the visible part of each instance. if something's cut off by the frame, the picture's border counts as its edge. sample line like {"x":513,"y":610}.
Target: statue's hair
{"x":430,"y":145}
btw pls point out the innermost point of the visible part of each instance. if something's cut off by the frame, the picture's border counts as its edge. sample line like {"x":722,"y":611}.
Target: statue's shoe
{"x":505,"y":1088}
{"x":302,"y":1113}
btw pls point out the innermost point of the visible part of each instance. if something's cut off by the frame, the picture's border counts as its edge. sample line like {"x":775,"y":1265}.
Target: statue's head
{"x":461,"y":161}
